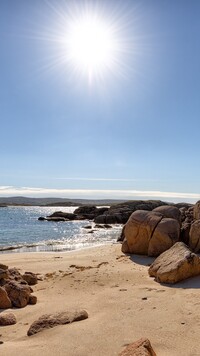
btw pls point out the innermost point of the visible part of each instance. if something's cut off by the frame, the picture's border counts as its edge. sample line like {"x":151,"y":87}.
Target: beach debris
{"x":7,"y":319}
{"x":15,"y":290}
{"x":141,"y":347}
{"x":150,"y":232}
{"x":176,"y":264}
{"x":48,"y":321}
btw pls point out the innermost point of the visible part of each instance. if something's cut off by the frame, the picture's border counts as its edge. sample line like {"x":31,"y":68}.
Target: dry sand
{"x":123,"y":303}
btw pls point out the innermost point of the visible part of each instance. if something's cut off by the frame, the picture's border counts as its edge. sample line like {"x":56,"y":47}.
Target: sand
{"x":123,"y":303}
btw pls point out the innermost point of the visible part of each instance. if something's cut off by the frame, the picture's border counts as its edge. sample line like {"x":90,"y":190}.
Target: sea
{"x":21,"y":231}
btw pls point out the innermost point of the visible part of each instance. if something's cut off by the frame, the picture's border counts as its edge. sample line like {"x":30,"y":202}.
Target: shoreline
{"x":122,"y":301}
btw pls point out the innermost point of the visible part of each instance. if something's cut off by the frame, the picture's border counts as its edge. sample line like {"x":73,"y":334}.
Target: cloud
{"x":98,"y":193}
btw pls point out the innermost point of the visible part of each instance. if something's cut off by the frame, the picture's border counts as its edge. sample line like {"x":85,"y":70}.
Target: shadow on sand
{"x":190,"y":283}
{"x":141,"y":259}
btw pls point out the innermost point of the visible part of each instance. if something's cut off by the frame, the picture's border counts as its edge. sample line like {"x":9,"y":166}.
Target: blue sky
{"x":132,"y":132}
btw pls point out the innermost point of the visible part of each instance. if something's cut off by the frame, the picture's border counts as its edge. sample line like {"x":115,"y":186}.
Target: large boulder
{"x":140,"y":347}
{"x":194,"y":236}
{"x":175,"y":264}
{"x":169,"y":211}
{"x":149,"y":233}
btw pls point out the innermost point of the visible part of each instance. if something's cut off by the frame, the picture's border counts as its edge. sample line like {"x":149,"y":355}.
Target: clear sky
{"x":128,"y":127}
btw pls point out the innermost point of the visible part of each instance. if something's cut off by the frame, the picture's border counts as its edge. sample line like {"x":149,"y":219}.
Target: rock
{"x":32,"y":300}
{"x":51,"y":320}
{"x":7,"y":319}
{"x":30,"y":278}
{"x":89,"y":211}
{"x":2,"y":266}
{"x":148,"y":233}
{"x":64,"y":215}
{"x":120,"y":213}
{"x":3,"y":273}
{"x":14,"y":274}
{"x":5,"y":301}
{"x":87,"y":227}
{"x":175,"y":264}
{"x":56,"y":219}
{"x":141,"y":347}
{"x":194,"y":236}
{"x":169,"y":211}
{"x":196,"y":211}
{"x":185,"y":231}
{"x":165,"y":235}
{"x":18,"y":293}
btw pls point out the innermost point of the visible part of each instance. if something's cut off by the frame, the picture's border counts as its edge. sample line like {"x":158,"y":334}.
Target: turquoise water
{"x":21,"y":231}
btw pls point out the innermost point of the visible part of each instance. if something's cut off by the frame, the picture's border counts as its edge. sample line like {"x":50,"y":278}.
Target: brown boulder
{"x":175,"y":264}
{"x":7,"y":319}
{"x":5,"y":301}
{"x":148,"y":233}
{"x":194,"y":236}
{"x":140,"y":347}
{"x":51,"y":320}
{"x":169,"y":211}
{"x":30,"y":278}
{"x":18,"y":293}
{"x":164,"y":236}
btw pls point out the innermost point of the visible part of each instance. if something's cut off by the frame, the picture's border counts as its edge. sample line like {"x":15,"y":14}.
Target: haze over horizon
{"x":100,"y":99}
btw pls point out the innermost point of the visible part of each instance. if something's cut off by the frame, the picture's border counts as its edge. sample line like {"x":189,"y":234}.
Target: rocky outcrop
{"x":140,"y":347}
{"x":176,"y":264}
{"x":149,"y":233}
{"x":120,"y":213}
{"x":82,"y":213}
{"x":89,"y":212}
{"x":15,"y":290}
{"x":51,"y":320}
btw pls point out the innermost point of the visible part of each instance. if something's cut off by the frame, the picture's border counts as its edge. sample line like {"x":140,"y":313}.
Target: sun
{"x":91,"y":45}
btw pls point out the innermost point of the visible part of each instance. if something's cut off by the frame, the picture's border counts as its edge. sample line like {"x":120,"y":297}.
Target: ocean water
{"x":21,"y":231}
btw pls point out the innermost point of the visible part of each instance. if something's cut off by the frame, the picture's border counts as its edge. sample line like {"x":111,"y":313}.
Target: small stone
{"x":7,"y":319}
{"x":30,"y":278}
{"x":1,"y":342}
{"x":140,"y":347}
{"x":32,"y":300}
{"x":144,"y":298}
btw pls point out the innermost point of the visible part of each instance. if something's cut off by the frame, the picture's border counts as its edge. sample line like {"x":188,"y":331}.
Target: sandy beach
{"x":122,"y":301}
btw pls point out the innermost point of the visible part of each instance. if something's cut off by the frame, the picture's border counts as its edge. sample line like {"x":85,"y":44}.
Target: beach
{"x":122,"y":301}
